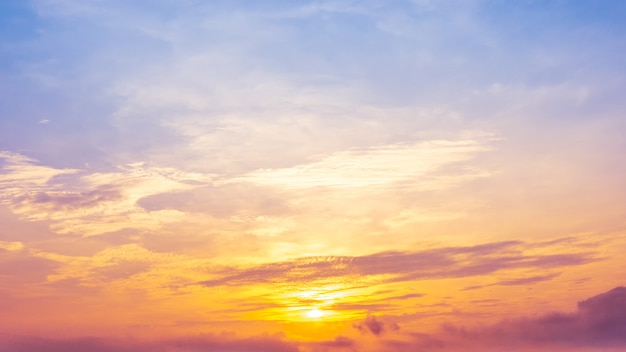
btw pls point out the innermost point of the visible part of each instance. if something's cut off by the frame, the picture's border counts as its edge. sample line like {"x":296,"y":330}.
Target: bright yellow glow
{"x":315,"y":313}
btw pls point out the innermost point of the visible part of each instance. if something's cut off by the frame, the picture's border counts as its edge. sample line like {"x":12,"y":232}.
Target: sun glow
{"x":315,"y":313}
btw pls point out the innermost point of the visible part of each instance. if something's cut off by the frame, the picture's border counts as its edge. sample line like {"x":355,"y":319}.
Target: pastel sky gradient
{"x":312,"y":175}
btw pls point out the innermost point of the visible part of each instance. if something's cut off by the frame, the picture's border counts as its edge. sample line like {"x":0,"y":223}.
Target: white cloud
{"x":22,"y":176}
{"x":376,"y":166}
{"x":90,"y":204}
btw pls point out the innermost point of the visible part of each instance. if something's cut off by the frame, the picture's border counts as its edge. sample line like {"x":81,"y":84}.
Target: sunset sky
{"x":312,"y":175}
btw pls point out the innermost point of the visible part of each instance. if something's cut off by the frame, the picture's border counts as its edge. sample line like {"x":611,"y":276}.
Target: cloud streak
{"x":451,"y":262}
{"x":523,"y":281}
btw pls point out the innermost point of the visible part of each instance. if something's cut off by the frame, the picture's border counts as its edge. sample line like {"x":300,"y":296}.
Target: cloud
{"x":599,"y":325}
{"x":375,"y":326}
{"x":600,"y":322}
{"x":604,"y":316}
{"x":370,"y":304}
{"x":375,"y":166}
{"x":527,"y":280}
{"x":224,"y":92}
{"x":20,"y":173}
{"x":221,"y":200}
{"x":119,"y":263}
{"x":73,"y":200}
{"x":446,"y":262}
{"x":518,"y":281}
{"x":407,"y":296}
{"x":90,"y":203}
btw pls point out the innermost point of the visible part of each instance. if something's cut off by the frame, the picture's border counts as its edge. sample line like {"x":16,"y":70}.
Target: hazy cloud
{"x":600,"y":322}
{"x":19,"y":266}
{"x":221,"y":200}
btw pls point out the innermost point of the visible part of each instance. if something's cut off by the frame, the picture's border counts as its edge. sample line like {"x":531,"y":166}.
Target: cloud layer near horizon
{"x":598,"y":325}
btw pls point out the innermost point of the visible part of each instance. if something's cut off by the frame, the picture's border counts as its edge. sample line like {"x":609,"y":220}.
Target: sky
{"x":312,"y":175}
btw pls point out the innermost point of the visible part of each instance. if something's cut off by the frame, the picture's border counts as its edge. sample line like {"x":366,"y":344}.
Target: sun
{"x":315,"y":313}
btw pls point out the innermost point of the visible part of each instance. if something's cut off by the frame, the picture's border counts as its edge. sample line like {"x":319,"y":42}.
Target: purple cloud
{"x":375,"y":326}
{"x":605,"y":315}
{"x":75,"y":200}
{"x":447,"y":262}
{"x":516,"y":282}
{"x":527,"y":280}
{"x":600,"y":322}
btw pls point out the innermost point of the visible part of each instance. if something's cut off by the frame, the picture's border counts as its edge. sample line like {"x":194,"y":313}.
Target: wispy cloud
{"x":451,"y":262}
{"x":90,"y":203}
{"x":518,"y":282}
{"x":374,"y":166}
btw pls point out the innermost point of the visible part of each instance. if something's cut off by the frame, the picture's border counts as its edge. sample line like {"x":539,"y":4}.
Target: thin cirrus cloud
{"x":519,"y":281}
{"x":374,"y":167}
